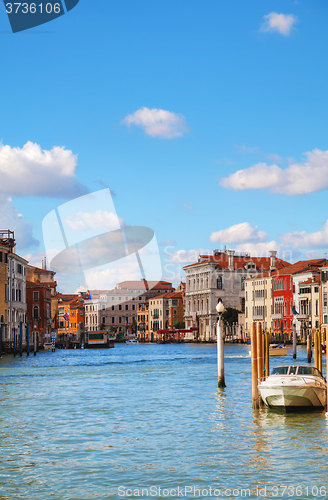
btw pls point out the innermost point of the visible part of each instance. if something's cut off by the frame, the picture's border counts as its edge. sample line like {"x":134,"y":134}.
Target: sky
{"x":206,"y":120}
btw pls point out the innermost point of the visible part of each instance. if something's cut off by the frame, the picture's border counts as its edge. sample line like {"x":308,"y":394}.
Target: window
{"x":120,"y":307}
{"x":246,"y":313}
{"x":133,"y":307}
{"x":113,"y":308}
{"x":242,"y":282}
{"x":35,"y":295}
{"x":120,"y":319}
{"x":219,"y":283}
{"x":6,"y":292}
{"x":103,"y":320}
{"x":113,"y":319}
{"x":126,"y":307}
{"x":19,"y":269}
{"x":35,"y":312}
{"x":5,"y":255}
{"x":325,"y":299}
{"x":0,"y":256}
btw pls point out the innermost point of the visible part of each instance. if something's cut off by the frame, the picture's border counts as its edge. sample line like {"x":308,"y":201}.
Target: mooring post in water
{"x":21,"y":338}
{"x":255,"y":391}
{"x":309,"y":348}
{"x":220,"y":346}
{"x":259,"y":345}
{"x":14,"y":342}
{"x":315,"y":342}
{"x":319,"y":351}
{"x":294,"y":340}
{"x":267,"y":354}
{"x":27,"y":339}
{"x":34,"y":343}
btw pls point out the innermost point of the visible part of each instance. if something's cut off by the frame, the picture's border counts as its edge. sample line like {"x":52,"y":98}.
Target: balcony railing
{"x":277,"y":316}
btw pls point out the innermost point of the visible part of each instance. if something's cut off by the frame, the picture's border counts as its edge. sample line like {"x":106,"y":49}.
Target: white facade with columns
{"x":219,"y":276}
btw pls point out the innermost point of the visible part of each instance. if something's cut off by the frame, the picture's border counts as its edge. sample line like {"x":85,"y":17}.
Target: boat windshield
{"x":280,"y":370}
{"x":308,"y":370}
{"x":296,"y":370}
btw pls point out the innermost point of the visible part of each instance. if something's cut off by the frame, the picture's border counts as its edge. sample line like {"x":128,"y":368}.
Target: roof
{"x":38,"y":270}
{"x":32,"y":284}
{"x":311,"y":281}
{"x":303,"y":266}
{"x":141,"y":285}
{"x":169,"y":295}
{"x":239,"y":261}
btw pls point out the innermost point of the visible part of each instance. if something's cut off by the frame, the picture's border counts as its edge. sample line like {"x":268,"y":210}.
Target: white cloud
{"x":158,"y":122}
{"x":83,"y":221}
{"x":299,"y":178}
{"x":239,"y":233}
{"x":278,"y":23}
{"x":13,"y":220}
{"x":262,"y":249}
{"x":301,"y":239}
{"x":31,"y":171}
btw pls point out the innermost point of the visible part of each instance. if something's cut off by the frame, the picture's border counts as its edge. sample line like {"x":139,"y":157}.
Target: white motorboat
{"x":292,"y":388}
{"x":278,"y":350}
{"x":132,"y":341}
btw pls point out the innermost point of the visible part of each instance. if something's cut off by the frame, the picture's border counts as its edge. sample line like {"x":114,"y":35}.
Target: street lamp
{"x":220,"y":346}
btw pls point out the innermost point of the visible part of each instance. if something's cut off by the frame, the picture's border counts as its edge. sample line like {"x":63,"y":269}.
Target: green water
{"x":82,"y":425}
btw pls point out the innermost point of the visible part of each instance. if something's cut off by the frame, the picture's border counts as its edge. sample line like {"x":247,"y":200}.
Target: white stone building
{"x":220,"y":276}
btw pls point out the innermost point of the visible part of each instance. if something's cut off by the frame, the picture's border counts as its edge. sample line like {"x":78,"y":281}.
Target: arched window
{"x":35,"y":312}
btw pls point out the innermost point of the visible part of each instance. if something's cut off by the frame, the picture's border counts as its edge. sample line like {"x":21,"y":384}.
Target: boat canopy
{"x":296,"y":370}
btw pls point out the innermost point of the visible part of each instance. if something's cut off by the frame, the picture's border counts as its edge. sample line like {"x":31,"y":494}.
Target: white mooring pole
{"x":220,"y":347}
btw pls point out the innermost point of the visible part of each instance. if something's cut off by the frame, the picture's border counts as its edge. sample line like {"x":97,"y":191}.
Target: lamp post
{"x":220,"y":346}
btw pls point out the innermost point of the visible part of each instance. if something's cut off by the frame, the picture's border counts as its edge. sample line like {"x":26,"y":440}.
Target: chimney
{"x":45,"y":263}
{"x":230,"y":254}
{"x":273,"y":254}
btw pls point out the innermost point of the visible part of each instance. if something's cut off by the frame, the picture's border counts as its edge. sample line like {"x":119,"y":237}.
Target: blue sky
{"x":244,"y":90}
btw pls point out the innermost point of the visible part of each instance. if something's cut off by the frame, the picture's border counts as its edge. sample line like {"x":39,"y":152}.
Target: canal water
{"x":142,"y":420}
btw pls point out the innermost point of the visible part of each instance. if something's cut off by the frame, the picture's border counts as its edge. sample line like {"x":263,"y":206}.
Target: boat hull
{"x":280,"y":351}
{"x":292,"y":398}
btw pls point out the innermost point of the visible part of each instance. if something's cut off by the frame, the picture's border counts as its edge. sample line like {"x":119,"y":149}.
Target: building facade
{"x":38,"y":298}
{"x":220,"y":276}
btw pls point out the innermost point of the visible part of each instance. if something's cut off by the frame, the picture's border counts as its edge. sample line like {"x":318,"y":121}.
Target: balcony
{"x":303,"y":316}
{"x":277,"y":316}
{"x":258,"y":317}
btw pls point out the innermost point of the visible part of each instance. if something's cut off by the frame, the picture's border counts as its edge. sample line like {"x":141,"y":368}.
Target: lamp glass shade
{"x":220,"y":307}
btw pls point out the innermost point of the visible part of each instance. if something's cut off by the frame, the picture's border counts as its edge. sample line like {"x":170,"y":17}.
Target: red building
{"x":282,"y":301}
{"x":38,"y":299}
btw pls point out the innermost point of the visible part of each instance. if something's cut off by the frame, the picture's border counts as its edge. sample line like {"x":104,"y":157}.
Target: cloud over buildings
{"x":308,"y":176}
{"x":239,"y":233}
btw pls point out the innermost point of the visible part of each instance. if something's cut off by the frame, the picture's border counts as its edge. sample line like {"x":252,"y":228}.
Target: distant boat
{"x":291,"y":388}
{"x":132,"y":341}
{"x":278,"y":350}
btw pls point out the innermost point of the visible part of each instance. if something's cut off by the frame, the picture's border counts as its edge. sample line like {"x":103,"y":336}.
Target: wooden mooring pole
{"x":309,"y":348}
{"x":294,"y":340}
{"x":266,"y":354}
{"x":255,"y":391}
